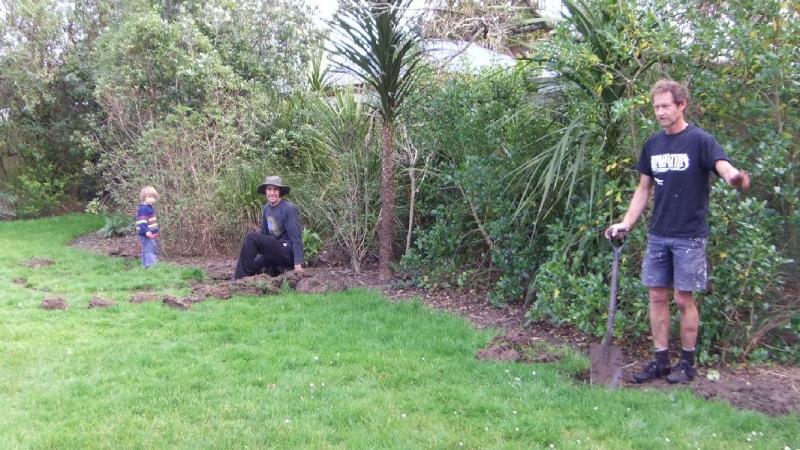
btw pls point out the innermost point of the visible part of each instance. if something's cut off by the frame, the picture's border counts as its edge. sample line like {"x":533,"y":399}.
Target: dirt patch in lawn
{"x":37,"y":263}
{"x":100,"y":302}
{"x":57,"y":303}
{"x":770,"y":390}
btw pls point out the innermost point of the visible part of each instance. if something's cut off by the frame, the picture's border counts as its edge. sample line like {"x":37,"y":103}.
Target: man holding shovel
{"x":676,"y":163}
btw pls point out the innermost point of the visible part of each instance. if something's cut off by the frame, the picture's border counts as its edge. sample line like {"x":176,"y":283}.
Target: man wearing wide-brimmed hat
{"x":279,"y":245}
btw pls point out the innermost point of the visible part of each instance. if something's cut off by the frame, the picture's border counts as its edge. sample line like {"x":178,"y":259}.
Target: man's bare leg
{"x":660,"y":317}
{"x":690,"y":318}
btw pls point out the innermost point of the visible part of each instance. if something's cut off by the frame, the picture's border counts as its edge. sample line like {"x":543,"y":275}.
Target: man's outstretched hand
{"x":741,"y":181}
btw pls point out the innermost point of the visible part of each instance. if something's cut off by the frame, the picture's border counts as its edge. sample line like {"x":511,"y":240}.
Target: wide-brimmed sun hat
{"x":276,"y":181}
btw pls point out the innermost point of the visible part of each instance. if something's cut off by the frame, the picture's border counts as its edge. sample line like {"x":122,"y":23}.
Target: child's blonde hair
{"x":148,"y":191}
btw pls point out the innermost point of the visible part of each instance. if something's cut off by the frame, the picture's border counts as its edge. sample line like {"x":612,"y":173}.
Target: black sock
{"x":688,"y":356}
{"x":662,"y":357}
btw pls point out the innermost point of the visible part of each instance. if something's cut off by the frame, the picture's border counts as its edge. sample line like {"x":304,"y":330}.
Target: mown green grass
{"x":346,"y":371}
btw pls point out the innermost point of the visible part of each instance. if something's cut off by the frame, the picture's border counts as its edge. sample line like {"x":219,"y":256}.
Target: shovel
{"x":606,"y":358}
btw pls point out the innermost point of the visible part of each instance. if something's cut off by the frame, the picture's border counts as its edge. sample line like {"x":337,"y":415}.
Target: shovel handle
{"x":612,"y":303}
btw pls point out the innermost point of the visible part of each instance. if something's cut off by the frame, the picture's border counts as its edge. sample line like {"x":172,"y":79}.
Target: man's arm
{"x":293,"y":231}
{"x":739,"y":179}
{"x":638,"y":204}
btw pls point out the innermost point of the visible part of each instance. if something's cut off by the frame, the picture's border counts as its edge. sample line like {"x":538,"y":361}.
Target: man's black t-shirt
{"x":680,"y":165}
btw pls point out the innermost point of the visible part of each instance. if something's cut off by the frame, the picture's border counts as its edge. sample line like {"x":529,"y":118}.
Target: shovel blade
{"x":606,"y":365}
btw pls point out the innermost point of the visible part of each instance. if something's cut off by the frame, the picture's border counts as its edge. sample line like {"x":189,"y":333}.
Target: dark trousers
{"x":263,"y":253}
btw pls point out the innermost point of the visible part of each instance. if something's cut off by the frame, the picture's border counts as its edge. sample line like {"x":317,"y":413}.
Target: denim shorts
{"x":678,"y":263}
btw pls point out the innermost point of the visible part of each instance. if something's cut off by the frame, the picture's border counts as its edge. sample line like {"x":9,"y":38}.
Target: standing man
{"x":675,"y":162}
{"x":279,"y":245}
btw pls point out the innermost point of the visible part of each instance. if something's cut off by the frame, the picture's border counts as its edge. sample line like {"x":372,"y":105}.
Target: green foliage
{"x":572,"y":287}
{"x":45,"y":93}
{"x":755,"y":113}
{"x":182,"y":114}
{"x":374,"y":43}
{"x":39,"y":191}
{"x":466,"y":215}
{"x":343,"y":191}
{"x":312,"y":244}
{"x":603,"y":56}
{"x":236,"y":202}
{"x":7,"y":201}
{"x":90,"y":81}
{"x":746,"y":309}
{"x":265,"y":43}
{"x":116,"y":225}
{"x":750,"y":103}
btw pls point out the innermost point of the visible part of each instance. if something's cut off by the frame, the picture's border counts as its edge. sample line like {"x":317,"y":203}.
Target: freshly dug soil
{"x":100,"y":302}
{"x":770,"y":390}
{"x":52,"y":303}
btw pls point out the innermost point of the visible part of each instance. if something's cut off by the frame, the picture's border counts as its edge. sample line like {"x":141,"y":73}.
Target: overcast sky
{"x":325,"y":8}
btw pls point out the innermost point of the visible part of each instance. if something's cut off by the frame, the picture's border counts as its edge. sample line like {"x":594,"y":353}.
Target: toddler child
{"x":147,"y":225}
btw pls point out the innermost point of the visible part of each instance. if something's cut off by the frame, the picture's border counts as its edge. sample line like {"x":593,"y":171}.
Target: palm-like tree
{"x":373,"y":43}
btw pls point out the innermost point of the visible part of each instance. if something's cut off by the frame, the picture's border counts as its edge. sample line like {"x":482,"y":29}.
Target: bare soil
{"x":772,"y":390}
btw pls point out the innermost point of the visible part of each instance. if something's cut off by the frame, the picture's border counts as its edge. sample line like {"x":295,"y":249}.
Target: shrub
{"x":478,"y":130}
{"x":39,"y":191}
{"x":312,"y":244}
{"x":745,"y":309}
{"x":572,"y":286}
{"x":116,"y":225}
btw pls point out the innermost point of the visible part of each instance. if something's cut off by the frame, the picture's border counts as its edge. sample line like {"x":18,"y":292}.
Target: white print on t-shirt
{"x":659,"y":181}
{"x":669,"y":161}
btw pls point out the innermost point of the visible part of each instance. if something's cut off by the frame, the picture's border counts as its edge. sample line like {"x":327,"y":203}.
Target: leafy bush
{"x":116,"y":225}
{"x":468,"y":219}
{"x":312,"y":244}
{"x":39,"y":191}
{"x":745,"y":308}
{"x":572,"y":287}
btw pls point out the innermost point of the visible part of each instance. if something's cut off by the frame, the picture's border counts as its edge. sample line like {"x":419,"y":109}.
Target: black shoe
{"x":651,"y":371}
{"x":683,"y":372}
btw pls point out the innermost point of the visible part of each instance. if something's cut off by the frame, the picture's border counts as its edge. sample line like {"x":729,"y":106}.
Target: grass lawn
{"x":347,"y":371}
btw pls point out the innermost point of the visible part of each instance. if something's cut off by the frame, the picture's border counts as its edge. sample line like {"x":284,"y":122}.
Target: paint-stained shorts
{"x":678,"y":263}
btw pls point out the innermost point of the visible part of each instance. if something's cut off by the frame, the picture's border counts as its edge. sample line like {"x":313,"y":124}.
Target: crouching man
{"x":278,"y":247}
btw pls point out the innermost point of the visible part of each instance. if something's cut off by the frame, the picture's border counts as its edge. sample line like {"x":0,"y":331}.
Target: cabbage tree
{"x":374,"y":43}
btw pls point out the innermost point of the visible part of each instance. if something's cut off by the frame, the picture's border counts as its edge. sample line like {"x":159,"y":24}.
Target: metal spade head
{"x":606,"y":365}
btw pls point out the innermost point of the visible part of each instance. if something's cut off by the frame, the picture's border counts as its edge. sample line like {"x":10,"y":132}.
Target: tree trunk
{"x":386,"y":225}
{"x":412,"y":197}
